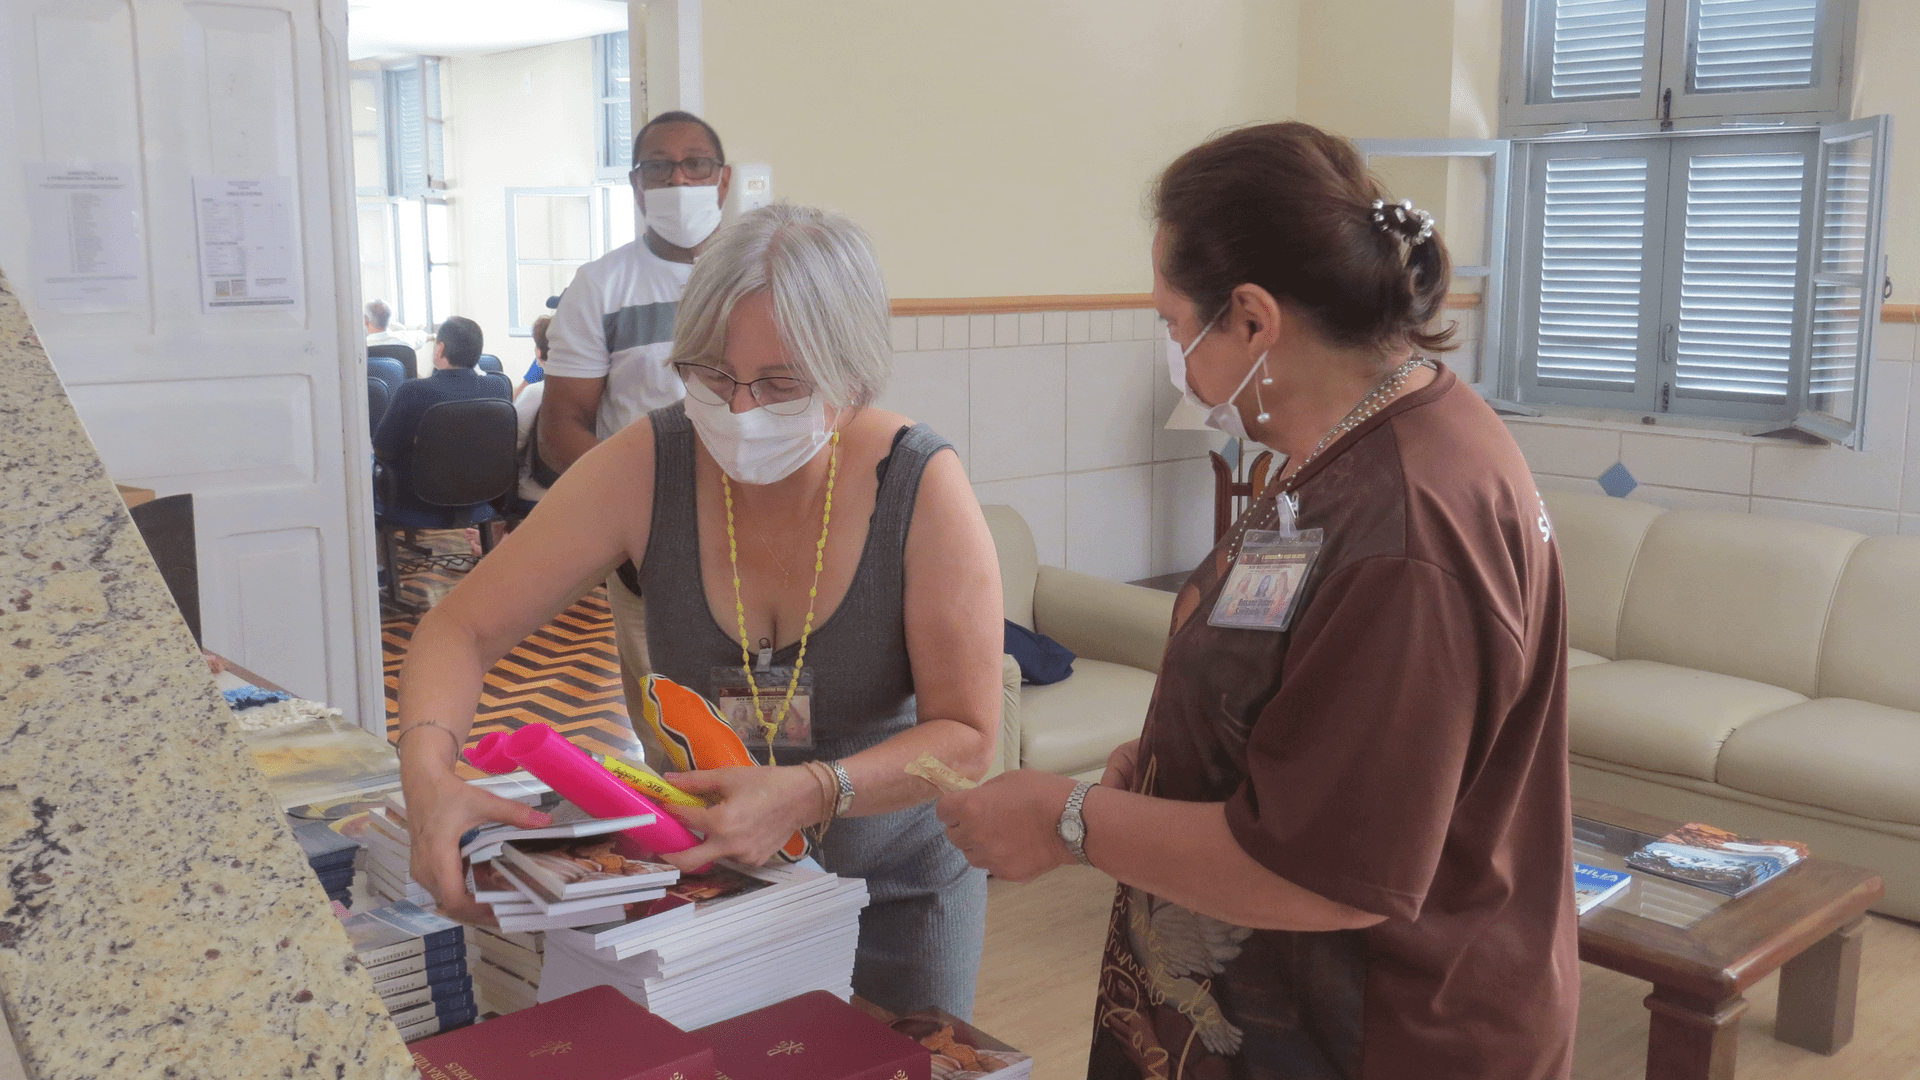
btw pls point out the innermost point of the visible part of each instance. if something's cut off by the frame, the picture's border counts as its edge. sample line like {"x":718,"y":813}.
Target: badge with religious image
{"x":1264,"y":587}
{"x":789,"y":722}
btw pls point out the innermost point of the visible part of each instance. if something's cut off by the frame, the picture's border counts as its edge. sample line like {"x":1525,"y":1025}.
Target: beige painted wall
{"x":515,"y":119}
{"x":993,"y":147}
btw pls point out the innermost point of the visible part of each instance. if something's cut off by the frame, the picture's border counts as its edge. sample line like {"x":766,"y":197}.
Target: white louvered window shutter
{"x":1741,"y":251}
{"x":1848,"y":267}
{"x":1587,"y":60}
{"x":1590,"y":267}
{"x":407,"y":131}
{"x":1753,"y":44}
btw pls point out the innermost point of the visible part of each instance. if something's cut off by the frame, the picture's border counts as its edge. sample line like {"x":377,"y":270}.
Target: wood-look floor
{"x":1041,"y":962}
{"x":566,"y":674}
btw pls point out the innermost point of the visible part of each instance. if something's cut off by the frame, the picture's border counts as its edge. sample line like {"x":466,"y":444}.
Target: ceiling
{"x":473,"y":27}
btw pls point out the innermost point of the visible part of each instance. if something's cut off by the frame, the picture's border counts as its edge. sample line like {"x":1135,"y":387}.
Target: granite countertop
{"x":162,"y":922}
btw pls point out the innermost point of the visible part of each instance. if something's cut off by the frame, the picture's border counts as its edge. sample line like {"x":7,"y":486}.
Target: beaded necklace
{"x":1375,"y":400}
{"x":770,"y":728}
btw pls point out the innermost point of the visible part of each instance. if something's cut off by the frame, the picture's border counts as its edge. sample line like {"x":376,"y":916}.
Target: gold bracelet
{"x":825,"y":778}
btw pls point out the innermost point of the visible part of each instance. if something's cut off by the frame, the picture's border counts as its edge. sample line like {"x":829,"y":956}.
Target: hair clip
{"x":1413,"y":225}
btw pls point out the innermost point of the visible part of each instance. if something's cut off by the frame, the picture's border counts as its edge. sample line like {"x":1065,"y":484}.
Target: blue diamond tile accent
{"x":1617,"y":481}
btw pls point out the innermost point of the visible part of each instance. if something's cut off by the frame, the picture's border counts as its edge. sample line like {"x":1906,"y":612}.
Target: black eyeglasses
{"x":694,"y":168}
{"x":777,"y":394}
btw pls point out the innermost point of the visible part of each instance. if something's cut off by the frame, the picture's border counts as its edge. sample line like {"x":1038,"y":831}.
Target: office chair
{"x":462,"y":460}
{"x":402,"y":353}
{"x":490,"y":362}
{"x":387,"y":370}
{"x":379,"y":396}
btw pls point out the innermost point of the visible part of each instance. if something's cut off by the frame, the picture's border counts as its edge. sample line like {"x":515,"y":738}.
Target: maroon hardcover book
{"x":814,"y":1037}
{"x":596,"y":1034}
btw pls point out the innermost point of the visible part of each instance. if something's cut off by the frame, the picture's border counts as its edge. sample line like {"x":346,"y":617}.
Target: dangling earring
{"x":1266,"y":379}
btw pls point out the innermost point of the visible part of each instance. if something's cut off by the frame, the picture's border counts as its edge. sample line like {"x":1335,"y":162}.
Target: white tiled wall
{"x":1059,"y":414}
{"x":1876,"y":490}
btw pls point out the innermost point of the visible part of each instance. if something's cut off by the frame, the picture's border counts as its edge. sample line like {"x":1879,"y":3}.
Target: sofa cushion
{"x":1599,"y":538}
{"x":1852,"y":756}
{"x":1869,"y":652}
{"x":1736,"y":594}
{"x":1073,"y":725}
{"x":1019,"y":561}
{"x":1660,"y":717}
{"x":1582,"y":658}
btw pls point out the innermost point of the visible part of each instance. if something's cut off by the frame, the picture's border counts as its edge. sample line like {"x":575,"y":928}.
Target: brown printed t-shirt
{"x":1401,"y":750}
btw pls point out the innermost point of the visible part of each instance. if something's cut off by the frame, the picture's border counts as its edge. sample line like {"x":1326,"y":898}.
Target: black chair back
{"x":500,"y":379}
{"x":379,"y":396}
{"x":402,"y":353}
{"x":464,"y":452}
{"x":387,"y":370}
{"x":490,"y":362}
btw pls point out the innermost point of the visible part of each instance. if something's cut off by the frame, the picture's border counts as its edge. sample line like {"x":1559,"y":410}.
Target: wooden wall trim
{"x":1000,"y":305}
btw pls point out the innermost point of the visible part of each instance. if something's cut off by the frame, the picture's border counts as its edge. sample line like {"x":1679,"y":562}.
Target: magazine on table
{"x":960,"y":1050}
{"x":1717,"y":860}
{"x":1594,"y":885}
{"x":575,"y":868}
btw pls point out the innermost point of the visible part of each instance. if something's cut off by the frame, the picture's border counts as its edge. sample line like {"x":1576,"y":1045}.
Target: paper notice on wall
{"x":85,"y":253}
{"x":249,"y":255}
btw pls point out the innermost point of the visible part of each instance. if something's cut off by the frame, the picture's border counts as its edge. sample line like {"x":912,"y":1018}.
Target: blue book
{"x":402,"y":929}
{"x":454,"y":973}
{"x":1593,"y":885}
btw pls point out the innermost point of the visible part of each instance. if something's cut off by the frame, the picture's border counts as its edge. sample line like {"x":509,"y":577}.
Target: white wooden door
{"x":259,"y":413}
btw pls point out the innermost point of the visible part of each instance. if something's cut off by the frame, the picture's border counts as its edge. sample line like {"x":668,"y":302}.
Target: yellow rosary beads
{"x":771,"y":727}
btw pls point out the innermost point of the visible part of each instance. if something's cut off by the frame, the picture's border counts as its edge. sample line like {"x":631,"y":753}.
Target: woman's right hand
{"x":1121,"y":765}
{"x":440,"y":809}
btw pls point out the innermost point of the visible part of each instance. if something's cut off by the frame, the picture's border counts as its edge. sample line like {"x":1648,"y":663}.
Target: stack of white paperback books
{"x":718,"y":944}
{"x":506,"y":977}
{"x":571,"y":874}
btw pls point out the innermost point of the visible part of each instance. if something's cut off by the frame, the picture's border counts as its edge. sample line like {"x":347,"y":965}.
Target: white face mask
{"x":756,"y":446}
{"x":683,"y":216}
{"x":1224,"y":417}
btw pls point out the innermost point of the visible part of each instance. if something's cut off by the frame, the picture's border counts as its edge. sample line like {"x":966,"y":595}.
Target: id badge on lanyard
{"x":1269,"y":575}
{"x":792,"y":723}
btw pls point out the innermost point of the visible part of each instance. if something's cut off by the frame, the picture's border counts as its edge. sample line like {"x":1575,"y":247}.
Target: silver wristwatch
{"x":844,"y":802}
{"x":1073,"y":827}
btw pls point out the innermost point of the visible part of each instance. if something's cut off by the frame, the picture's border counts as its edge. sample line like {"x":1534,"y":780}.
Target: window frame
{"x":596,"y":243}
{"x":1669,"y":53}
{"x":606,"y":169}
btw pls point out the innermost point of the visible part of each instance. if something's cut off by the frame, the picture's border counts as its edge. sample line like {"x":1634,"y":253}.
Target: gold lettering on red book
{"x":786,"y":1046}
{"x":555,"y":1048}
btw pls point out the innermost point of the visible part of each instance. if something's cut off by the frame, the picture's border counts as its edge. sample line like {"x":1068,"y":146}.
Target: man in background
{"x":613,"y":330}
{"x":377,"y":317}
{"x":456,"y":349}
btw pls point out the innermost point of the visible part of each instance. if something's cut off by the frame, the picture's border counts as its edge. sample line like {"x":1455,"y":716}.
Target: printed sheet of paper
{"x":85,"y":253}
{"x":249,"y":257}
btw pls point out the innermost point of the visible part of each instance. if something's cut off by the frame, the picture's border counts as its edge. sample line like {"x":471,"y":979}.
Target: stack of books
{"x":418,"y":961}
{"x":1717,"y":860}
{"x":331,"y":855}
{"x":506,"y":977}
{"x":718,"y":944}
{"x":388,"y":851}
{"x":574,"y":872}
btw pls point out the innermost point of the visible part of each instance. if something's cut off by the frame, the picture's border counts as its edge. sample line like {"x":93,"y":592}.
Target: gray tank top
{"x":862,"y":680}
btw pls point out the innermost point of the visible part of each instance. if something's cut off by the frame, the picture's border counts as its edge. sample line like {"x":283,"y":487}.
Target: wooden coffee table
{"x":1701,"y":951}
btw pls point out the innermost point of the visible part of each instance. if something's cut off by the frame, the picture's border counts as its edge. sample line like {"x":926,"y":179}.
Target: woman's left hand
{"x":755,"y":809}
{"x":1009,"y":826}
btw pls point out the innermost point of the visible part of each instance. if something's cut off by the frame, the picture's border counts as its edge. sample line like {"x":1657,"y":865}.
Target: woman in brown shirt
{"x":1343,"y":838}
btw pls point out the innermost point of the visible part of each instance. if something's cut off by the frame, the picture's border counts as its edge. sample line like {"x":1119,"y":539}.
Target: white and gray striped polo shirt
{"x":616,"y":320}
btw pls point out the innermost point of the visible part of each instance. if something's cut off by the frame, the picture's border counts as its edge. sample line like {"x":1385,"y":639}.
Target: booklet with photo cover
{"x":960,"y":1050}
{"x":576,"y":868}
{"x":1592,"y":885}
{"x":1717,"y":860}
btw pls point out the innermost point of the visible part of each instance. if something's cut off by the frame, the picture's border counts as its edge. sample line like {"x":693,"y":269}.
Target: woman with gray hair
{"x":815,"y":560}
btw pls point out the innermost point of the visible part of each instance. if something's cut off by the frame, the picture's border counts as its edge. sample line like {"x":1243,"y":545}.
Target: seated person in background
{"x":536,"y":371}
{"x":456,"y":349}
{"x":527,"y":404}
{"x":379,"y":315}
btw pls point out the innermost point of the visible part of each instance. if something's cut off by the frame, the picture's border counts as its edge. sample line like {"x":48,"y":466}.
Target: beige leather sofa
{"x":1758,"y":674}
{"x":1117,"y":633}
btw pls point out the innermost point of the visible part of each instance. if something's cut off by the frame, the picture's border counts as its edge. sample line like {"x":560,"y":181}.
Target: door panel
{"x":261,"y":413}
